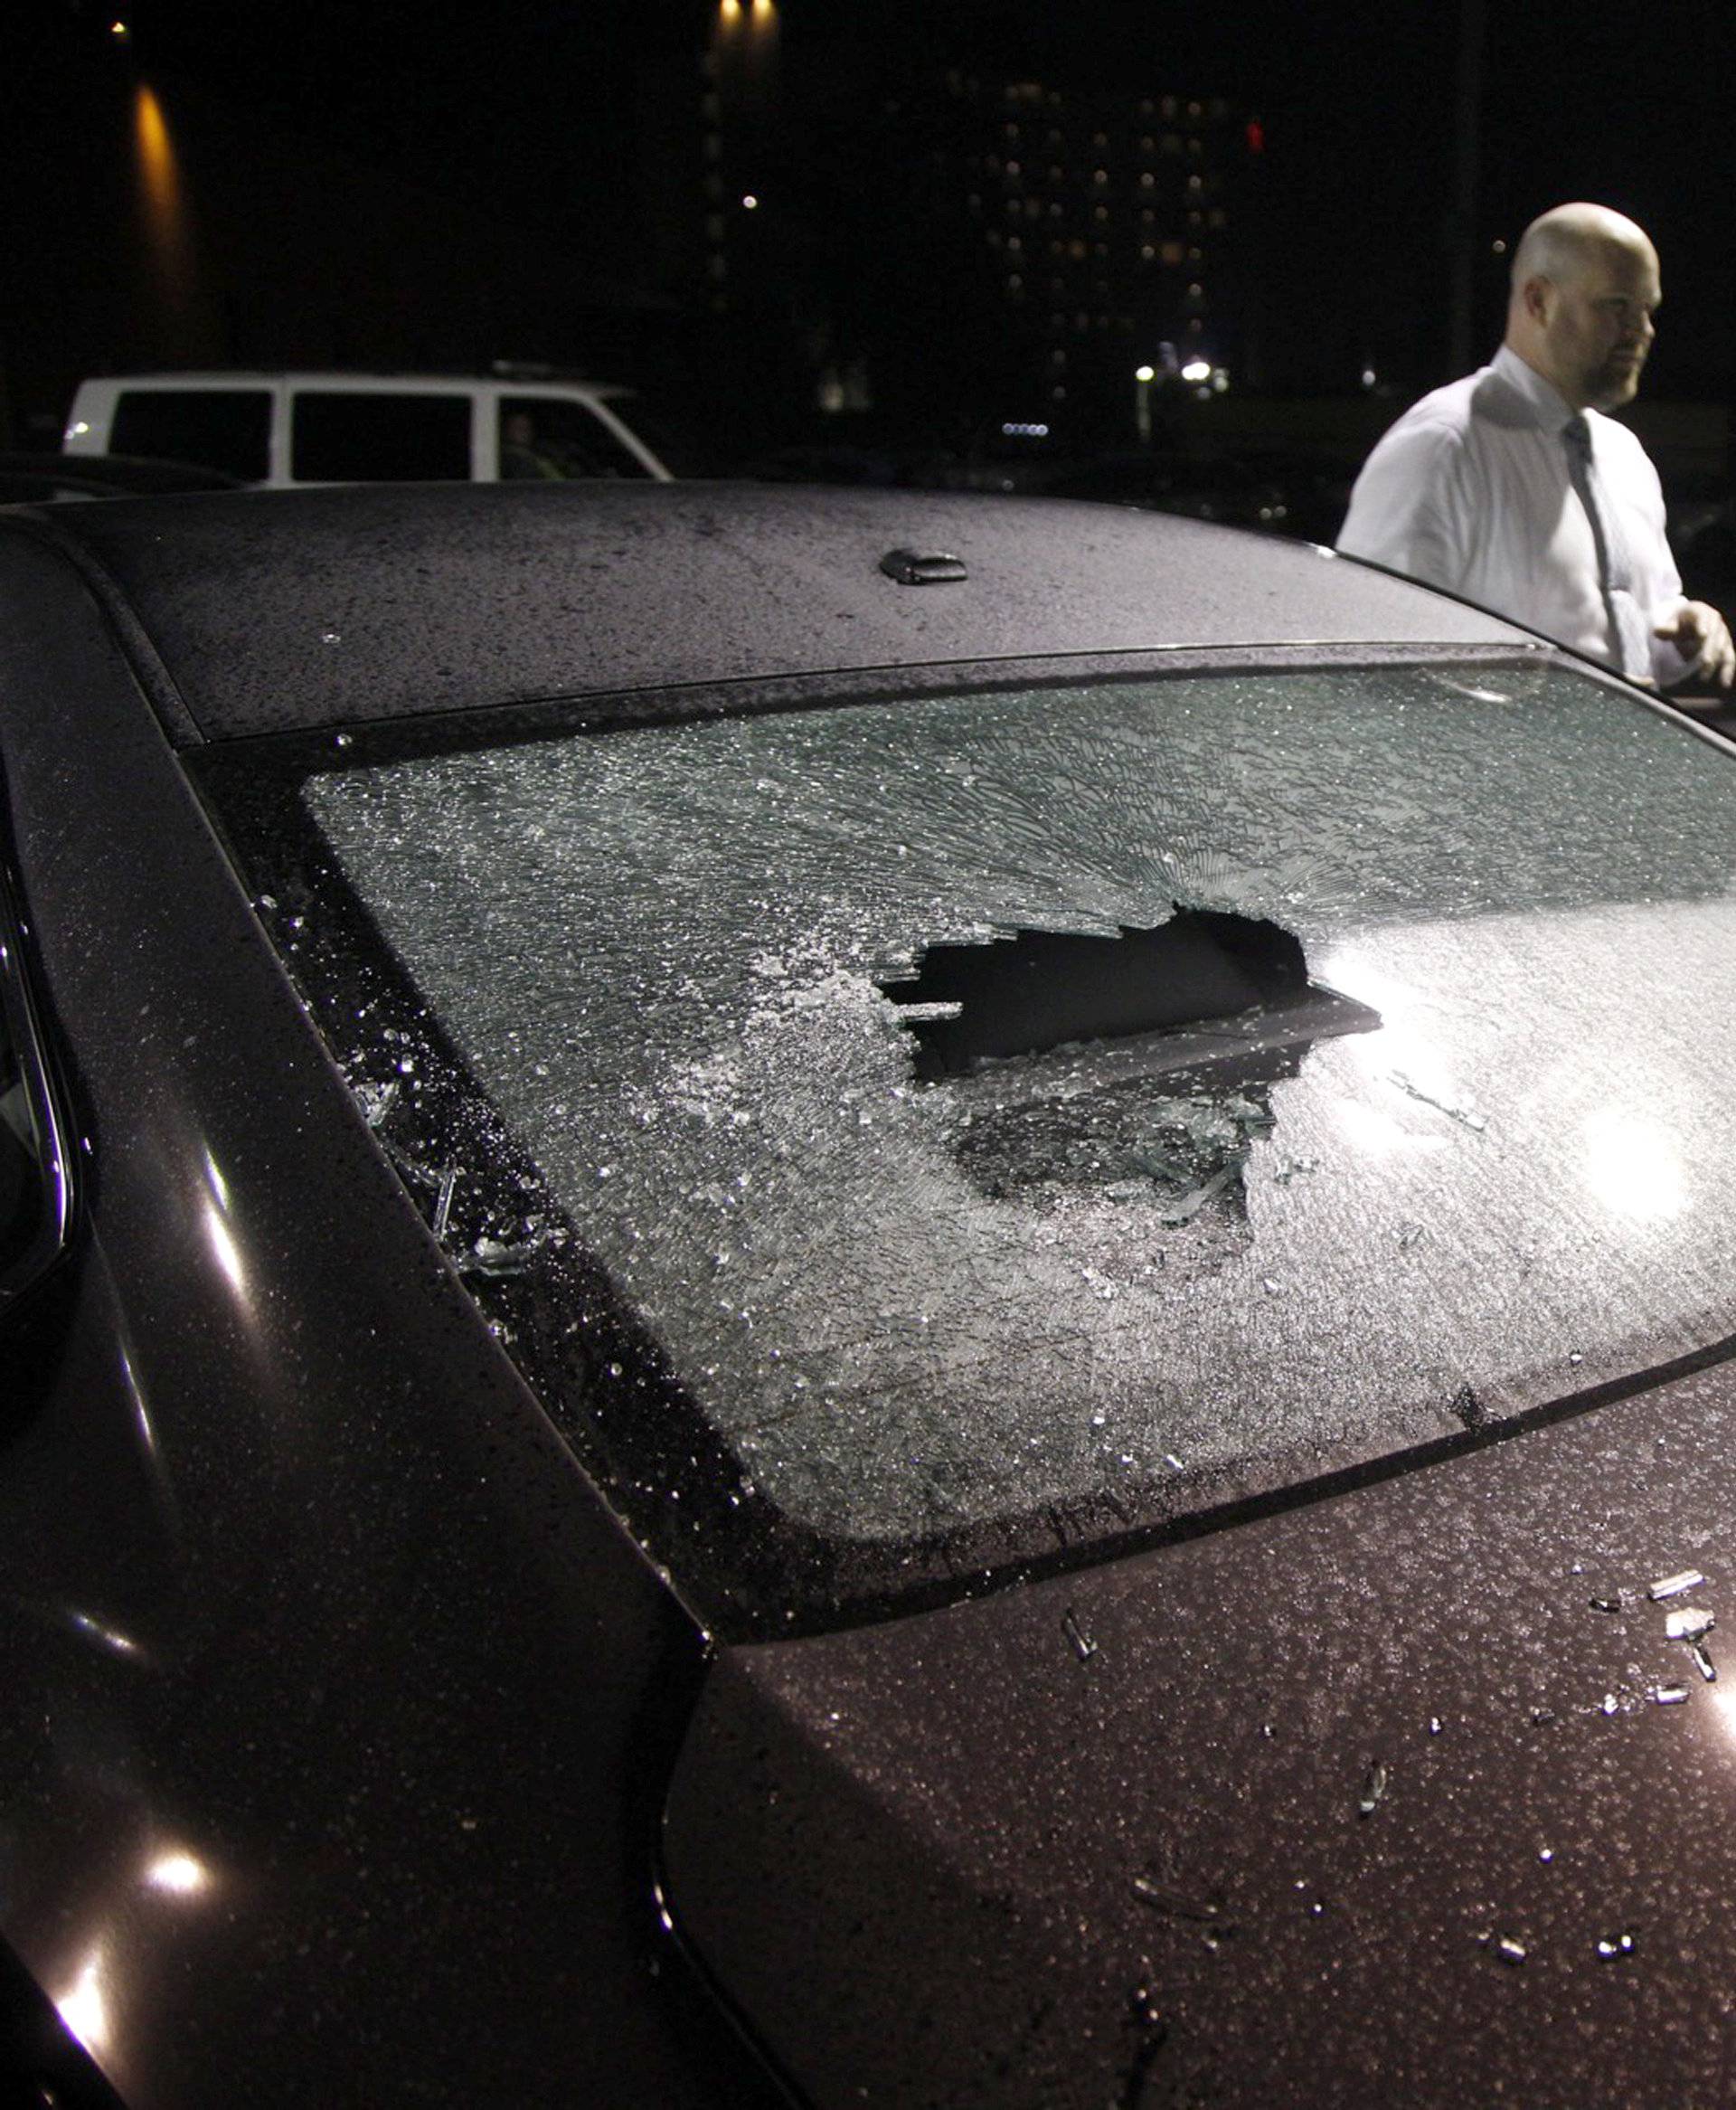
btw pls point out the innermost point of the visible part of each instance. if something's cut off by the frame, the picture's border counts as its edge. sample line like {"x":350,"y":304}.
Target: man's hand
{"x":1701,"y":635}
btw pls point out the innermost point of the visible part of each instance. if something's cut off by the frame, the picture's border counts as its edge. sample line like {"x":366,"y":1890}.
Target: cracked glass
{"x":1469,"y":1152}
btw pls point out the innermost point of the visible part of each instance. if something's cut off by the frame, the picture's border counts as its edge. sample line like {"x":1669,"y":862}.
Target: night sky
{"x":532,"y":109}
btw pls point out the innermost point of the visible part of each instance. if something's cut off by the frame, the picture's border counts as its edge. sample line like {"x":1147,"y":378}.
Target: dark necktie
{"x":1629,"y":633}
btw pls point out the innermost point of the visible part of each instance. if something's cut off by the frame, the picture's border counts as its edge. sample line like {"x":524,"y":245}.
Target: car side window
{"x":367,"y":436}
{"x":228,"y":429}
{"x":555,"y":436}
{"x":34,"y":1196}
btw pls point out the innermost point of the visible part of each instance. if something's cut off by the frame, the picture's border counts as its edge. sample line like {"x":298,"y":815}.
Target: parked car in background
{"x":851,"y":1297}
{"x":1702,"y":534}
{"x":306,"y":428}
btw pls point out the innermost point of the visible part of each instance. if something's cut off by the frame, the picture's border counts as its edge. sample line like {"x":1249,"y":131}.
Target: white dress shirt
{"x":1470,"y":490}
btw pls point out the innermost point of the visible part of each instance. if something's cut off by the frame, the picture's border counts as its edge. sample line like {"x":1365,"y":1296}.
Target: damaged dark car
{"x":859,"y":1297}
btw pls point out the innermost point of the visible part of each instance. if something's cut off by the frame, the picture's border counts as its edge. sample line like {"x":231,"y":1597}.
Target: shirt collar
{"x":1551,"y":412}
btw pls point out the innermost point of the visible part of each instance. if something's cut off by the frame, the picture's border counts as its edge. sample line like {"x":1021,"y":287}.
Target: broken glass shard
{"x":443,"y":1205}
{"x":1689,"y":1623}
{"x":1180,"y":1902}
{"x":1084,"y":1648}
{"x":1674,"y":1585}
{"x":1375,"y":1786}
{"x":1469,"y":1409}
{"x":1463,"y":1115}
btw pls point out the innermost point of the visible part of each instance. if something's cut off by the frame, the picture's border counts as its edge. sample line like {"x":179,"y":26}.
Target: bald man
{"x":1513,"y":489}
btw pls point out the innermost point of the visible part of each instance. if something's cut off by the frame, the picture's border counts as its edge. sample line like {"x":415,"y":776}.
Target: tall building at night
{"x":1110,"y":219}
{"x":941,"y":239}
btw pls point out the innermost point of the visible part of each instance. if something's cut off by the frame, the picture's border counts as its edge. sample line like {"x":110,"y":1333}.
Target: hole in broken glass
{"x":1140,"y":1064}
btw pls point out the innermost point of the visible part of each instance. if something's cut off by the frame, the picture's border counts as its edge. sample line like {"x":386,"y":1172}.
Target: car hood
{"x":1387,"y":1797}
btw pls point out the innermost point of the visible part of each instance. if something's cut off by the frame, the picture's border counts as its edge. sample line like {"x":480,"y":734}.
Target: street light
{"x":1143,"y":378}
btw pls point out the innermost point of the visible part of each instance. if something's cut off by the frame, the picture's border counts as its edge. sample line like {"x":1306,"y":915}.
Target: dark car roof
{"x":31,"y":477}
{"x":272,"y":611}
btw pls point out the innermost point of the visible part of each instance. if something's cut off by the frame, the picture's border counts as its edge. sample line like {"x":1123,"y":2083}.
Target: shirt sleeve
{"x":1662,"y":597}
{"x":1406,"y":510}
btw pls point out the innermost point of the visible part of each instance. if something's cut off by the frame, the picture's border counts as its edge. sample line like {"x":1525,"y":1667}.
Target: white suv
{"x":365,"y":427}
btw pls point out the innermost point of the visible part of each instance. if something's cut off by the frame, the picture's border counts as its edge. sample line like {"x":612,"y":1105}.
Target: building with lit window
{"x":944,"y":241}
{"x":1110,"y":218}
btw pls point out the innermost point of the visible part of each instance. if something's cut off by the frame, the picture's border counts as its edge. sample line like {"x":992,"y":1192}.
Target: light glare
{"x":83,"y":2007}
{"x":181,"y":1875}
{"x":1633,"y":1166}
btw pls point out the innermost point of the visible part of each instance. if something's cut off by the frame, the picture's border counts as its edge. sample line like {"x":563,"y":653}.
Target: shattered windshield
{"x":1016,"y":1114}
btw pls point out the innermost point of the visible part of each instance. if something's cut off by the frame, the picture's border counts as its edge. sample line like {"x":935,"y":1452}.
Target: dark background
{"x":393,"y":185}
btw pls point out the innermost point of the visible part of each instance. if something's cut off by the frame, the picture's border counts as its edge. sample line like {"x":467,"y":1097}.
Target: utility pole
{"x":1461,"y":220}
